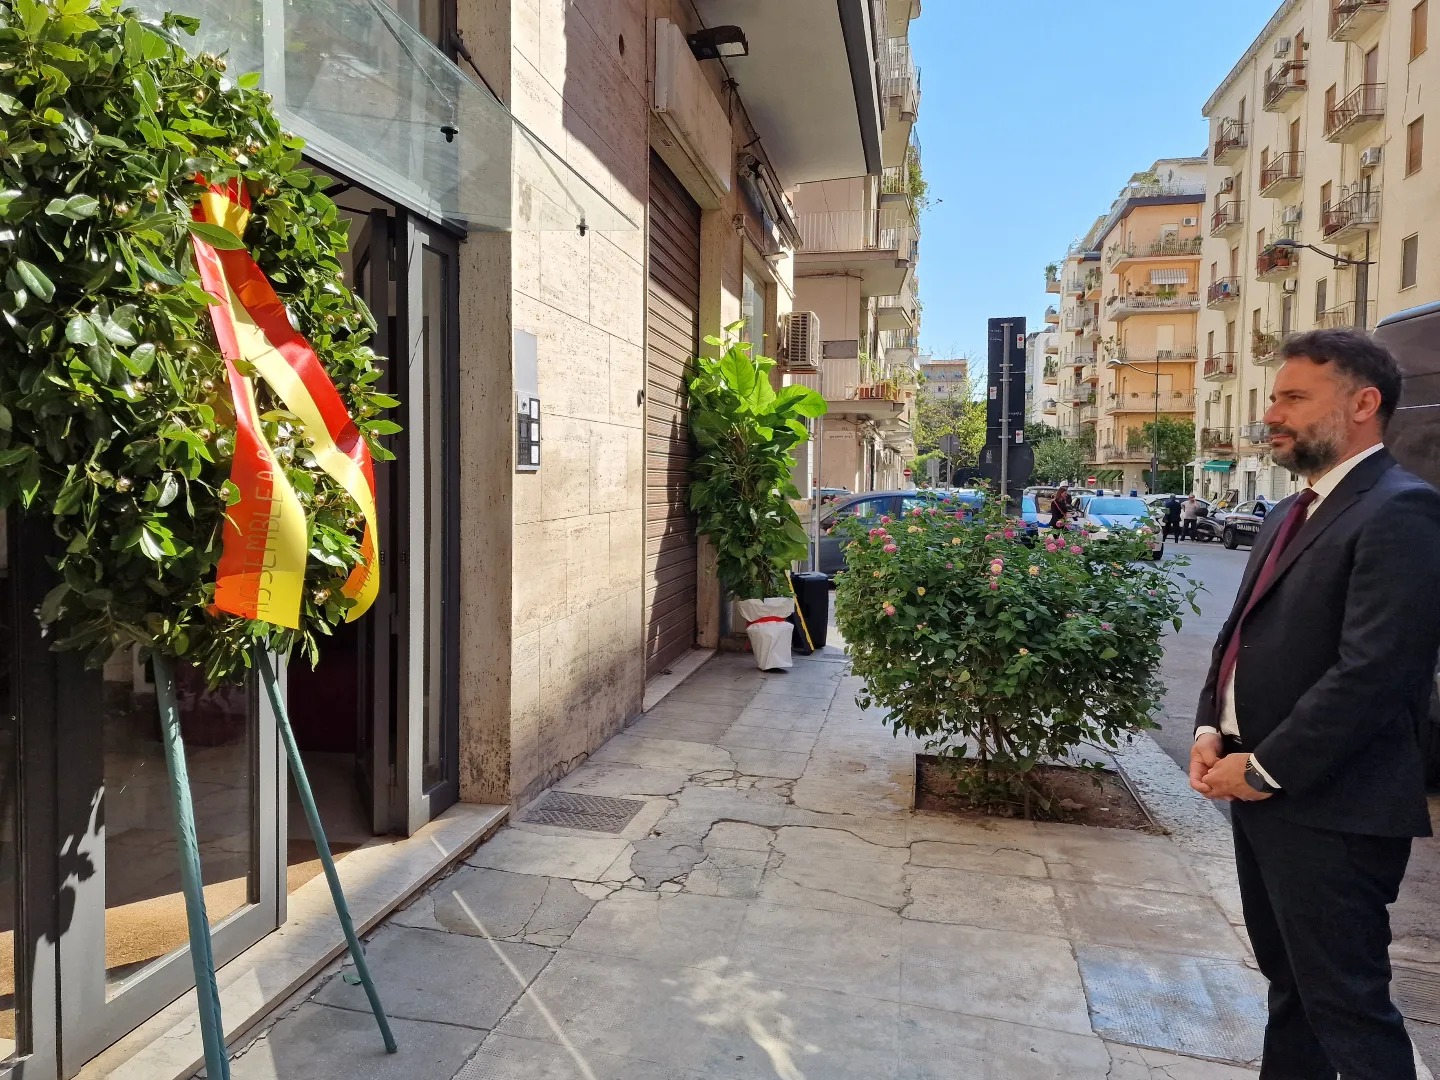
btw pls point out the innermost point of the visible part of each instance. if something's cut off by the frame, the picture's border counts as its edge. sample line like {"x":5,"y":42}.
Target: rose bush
{"x":1003,"y":655}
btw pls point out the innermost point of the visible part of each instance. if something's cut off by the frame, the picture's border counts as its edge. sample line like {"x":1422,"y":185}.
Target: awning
{"x":375,"y":100}
{"x":1169,"y":277}
{"x":1219,"y":466}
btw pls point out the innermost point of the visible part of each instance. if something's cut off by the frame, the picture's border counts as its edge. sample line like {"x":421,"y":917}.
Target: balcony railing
{"x":886,"y":229}
{"x":1052,"y":316}
{"x":902,"y":79}
{"x":1052,"y":284}
{"x":896,"y":312}
{"x":1223,"y":291}
{"x":1052,"y":345}
{"x":1163,"y":356}
{"x":1356,"y":113}
{"x":1052,"y":372}
{"x":1351,"y":18}
{"x":1048,"y":406}
{"x":1074,"y":286}
{"x":1257,"y":434}
{"x":1219,"y":367}
{"x":1276,"y":262}
{"x":1289,"y":80}
{"x":1230,"y":141}
{"x":1284,"y":172}
{"x":1355,"y":212}
{"x":1123,"y":307}
{"x":1164,"y":248}
{"x":1089,"y":413}
{"x":1265,"y":348}
{"x":1226,"y":218}
{"x":896,"y":180}
{"x":1213,"y":438}
{"x":1346,"y":314}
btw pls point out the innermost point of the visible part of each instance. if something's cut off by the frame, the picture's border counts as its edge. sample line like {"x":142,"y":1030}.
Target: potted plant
{"x":745,"y":432}
{"x":1002,"y":657}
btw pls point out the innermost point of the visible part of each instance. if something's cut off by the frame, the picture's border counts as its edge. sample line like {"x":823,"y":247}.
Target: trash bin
{"x":812,"y":590}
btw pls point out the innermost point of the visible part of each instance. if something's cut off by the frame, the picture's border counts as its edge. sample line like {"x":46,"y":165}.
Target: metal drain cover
{"x":593,"y":812}
{"x":1417,"y":994}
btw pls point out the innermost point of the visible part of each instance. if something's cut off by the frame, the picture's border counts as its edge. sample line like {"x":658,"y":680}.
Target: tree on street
{"x":952,"y":424}
{"x":1058,"y":459}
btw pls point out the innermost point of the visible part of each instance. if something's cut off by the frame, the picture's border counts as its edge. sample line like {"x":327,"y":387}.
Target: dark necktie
{"x":1299,"y":510}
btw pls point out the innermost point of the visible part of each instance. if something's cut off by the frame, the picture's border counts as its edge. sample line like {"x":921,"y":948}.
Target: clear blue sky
{"x":1086,"y":94}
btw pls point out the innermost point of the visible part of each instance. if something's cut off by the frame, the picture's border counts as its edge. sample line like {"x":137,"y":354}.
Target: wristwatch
{"x":1255,"y":780}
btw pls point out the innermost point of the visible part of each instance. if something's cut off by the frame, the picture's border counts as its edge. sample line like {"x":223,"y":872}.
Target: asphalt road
{"x":1415,"y":917}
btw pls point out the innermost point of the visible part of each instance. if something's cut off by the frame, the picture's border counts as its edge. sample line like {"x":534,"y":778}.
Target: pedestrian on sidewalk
{"x":1060,"y":507}
{"x":1308,"y":720}
{"x":1172,"y":519}
{"x":1189,"y":515}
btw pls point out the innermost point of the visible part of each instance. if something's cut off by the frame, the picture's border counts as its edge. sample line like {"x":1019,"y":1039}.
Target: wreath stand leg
{"x":207,"y":993}
{"x":322,"y":845}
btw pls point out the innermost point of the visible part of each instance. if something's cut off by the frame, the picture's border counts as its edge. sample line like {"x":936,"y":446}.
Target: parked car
{"x":1239,"y":527}
{"x":1103,"y":513}
{"x":870,"y":507}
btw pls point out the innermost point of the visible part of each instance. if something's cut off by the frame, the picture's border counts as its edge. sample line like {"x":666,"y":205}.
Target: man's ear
{"x":1365,"y":405}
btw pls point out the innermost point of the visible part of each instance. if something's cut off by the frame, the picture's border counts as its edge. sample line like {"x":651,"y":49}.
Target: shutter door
{"x":671,"y":340}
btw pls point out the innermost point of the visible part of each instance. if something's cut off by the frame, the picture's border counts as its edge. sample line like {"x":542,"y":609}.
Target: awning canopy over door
{"x":671,"y":340}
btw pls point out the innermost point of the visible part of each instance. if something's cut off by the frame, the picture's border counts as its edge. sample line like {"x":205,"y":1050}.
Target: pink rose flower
{"x":959,"y":515}
{"x":949,"y":566}
{"x":884,"y":519}
{"x":1075,"y":549}
{"x":1105,"y":626}
{"x":890,"y":549}
{"x":916,"y":512}
{"x":889,"y":610}
{"x":994,"y":585}
{"x":1009,"y":534}
{"x":1052,"y":547}
{"x":996,"y":568}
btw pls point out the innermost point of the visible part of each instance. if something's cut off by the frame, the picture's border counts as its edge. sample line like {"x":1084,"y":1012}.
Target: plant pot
{"x":769,"y":631}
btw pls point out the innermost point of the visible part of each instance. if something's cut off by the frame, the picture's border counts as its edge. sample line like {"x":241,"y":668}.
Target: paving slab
{"x":1025,"y":978}
{"x":582,"y":858}
{"x":619,"y":781}
{"x":824,"y":950}
{"x":1131,"y":860}
{"x":510,"y":907}
{"x":670,"y":726}
{"x":320,"y":1043}
{"x":993,"y":858}
{"x":744,"y":737}
{"x":663,"y":754}
{"x":440,"y":977}
{"x":732,"y":872}
{"x":934,"y":1046}
{"x":990,"y":901}
{"x":674,"y":930}
{"x":1147,"y":919}
{"x":503,"y":1057}
{"x":1188,"y":1005}
{"x":1138,"y":1063}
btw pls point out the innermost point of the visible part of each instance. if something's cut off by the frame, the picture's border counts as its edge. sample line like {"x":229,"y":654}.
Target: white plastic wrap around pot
{"x":770,"y":635}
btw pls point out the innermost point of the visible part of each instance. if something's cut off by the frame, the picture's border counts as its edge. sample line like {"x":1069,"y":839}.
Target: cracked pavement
{"x":776,"y":909}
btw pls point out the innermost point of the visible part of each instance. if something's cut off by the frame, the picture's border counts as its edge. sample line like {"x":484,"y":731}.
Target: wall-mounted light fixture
{"x":719,"y":43}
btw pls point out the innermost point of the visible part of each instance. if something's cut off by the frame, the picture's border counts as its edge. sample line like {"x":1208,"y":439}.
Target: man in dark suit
{"x":1308,"y":721}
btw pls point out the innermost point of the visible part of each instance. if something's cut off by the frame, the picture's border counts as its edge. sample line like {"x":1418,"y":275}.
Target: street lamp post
{"x":1155,"y":429}
{"x":1362,"y":272}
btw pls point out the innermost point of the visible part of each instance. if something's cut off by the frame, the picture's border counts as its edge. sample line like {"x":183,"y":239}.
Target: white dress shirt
{"x":1323,"y":487}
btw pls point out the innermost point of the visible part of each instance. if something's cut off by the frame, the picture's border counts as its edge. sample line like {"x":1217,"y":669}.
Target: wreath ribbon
{"x":265,"y":543}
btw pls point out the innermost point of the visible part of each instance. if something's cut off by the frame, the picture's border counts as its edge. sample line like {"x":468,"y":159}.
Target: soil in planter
{"x":1075,"y":797}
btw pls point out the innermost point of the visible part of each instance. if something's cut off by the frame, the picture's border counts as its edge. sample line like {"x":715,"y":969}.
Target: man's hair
{"x":1357,"y":356}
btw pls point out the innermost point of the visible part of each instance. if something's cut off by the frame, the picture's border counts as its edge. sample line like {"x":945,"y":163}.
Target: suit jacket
{"x":1333,"y":677}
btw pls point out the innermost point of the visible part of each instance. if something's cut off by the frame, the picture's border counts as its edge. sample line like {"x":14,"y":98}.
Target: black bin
{"x":813,"y":593}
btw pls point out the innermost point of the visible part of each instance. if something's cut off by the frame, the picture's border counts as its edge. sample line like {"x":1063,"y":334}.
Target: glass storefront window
{"x":752,"y":310}
{"x":144,"y":907}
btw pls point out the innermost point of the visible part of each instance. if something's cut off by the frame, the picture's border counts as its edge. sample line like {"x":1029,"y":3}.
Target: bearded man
{"x":1309,"y":717}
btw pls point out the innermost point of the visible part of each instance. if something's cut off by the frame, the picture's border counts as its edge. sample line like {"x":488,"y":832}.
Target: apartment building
{"x":1320,"y":211}
{"x":946,"y":378}
{"x":1038,"y":346}
{"x":550,"y":207}
{"x":1069,"y":373}
{"x":855,"y":280}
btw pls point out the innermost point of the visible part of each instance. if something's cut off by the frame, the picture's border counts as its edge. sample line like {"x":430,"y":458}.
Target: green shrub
{"x":1004,"y":656}
{"x":742,"y":489}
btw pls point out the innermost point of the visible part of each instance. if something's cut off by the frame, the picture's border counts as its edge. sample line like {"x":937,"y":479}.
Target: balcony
{"x":897,"y":187}
{"x":1227,"y":218}
{"x":1163,"y":356}
{"x":1052,"y":345}
{"x":1213,"y":438}
{"x":1230,"y":142}
{"x":1053,"y":285}
{"x":1353,"y":214}
{"x":1110,"y":452}
{"x":1355,"y":114}
{"x":1346,"y":314}
{"x":1048,"y":406}
{"x":878,"y":246}
{"x":1223,"y":292}
{"x":1265,"y":348}
{"x":1275,"y":263}
{"x":1089,"y":414}
{"x":853,"y":389}
{"x":1256,"y":434}
{"x":1052,"y":372}
{"x":1052,"y":317}
{"x":1074,"y":286}
{"x":1219,"y":367}
{"x":1169,"y":247}
{"x":1285,"y":84}
{"x":1349,"y":19}
{"x":1125,"y":307}
{"x":897,"y":312}
{"x":1284,"y":173}
{"x":1079,"y":394}
{"x":900,"y":93}
{"x":1089,"y":372}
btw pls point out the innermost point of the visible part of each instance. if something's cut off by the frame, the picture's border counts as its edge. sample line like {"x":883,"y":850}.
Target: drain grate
{"x":593,"y":812}
{"x":1417,"y":994}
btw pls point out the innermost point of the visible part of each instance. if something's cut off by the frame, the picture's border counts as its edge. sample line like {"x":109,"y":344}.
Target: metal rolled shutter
{"x":671,"y":341}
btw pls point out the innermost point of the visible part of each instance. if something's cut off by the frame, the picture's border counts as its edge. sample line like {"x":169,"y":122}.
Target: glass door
{"x":427,"y":743}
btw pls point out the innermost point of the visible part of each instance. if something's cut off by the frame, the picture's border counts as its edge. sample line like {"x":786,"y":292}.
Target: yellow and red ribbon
{"x":265,"y":543}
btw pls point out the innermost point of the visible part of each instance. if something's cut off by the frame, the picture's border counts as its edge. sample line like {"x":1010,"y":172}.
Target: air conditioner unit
{"x":1227,"y":185}
{"x":1189,"y":222}
{"x":1291,"y":215}
{"x":803,"y":347}
{"x":1291,"y":285}
{"x":1370,"y":157}
{"x":1214,"y":397}
{"x":1282,"y":46}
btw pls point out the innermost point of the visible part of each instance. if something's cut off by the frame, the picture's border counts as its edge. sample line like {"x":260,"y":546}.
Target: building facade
{"x":855,"y":276}
{"x":946,"y":378}
{"x":1317,"y":141}
{"x":550,"y":208}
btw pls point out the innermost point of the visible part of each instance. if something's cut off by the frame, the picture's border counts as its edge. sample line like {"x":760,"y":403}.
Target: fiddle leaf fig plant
{"x":116,"y":423}
{"x":745,"y":432}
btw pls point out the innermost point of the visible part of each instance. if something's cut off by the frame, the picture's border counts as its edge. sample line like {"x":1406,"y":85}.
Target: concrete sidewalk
{"x":775,"y":909}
